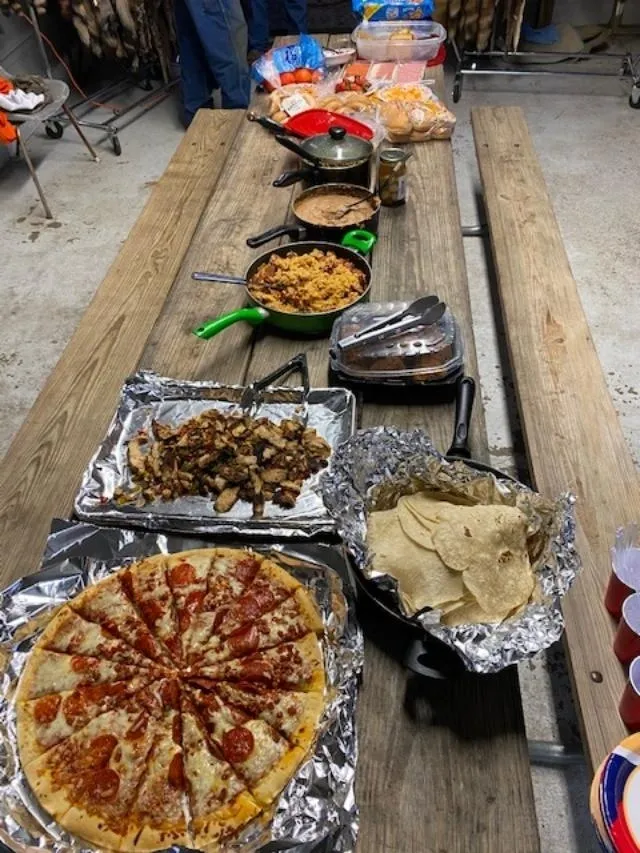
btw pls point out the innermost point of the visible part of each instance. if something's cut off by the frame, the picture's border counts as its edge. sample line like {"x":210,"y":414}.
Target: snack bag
{"x":393,"y":10}
{"x":302,"y":62}
{"x":412,"y":113}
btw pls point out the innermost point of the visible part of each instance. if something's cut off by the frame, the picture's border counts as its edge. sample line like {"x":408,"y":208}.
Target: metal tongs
{"x":253,"y":394}
{"x":425,"y":311}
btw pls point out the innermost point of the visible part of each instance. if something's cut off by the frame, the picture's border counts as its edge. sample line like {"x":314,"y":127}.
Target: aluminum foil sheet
{"x":147,"y":396}
{"x":316,"y":813}
{"x":376,"y":466}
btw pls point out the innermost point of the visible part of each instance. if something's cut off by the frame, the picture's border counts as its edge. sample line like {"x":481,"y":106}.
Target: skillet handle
{"x":291,"y":145}
{"x":359,"y":239}
{"x":219,"y":277}
{"x":254,"y":316}
{"x":417,"y":660}
{"x":293,"y":231}
{"x":465,"y":395}
{"x":288,"y":179}
{"x":267,"y":123}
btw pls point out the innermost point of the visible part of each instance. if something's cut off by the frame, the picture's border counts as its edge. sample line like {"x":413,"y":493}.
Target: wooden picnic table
{"x":443,"y":766}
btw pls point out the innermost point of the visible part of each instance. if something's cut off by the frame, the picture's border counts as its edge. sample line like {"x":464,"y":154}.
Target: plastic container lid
{"x":383,"y":41}
{"x":419,"y":355}
{"x":315,"y":121}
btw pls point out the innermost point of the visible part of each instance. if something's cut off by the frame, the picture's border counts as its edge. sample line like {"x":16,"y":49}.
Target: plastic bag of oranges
{"x":301,"y":62}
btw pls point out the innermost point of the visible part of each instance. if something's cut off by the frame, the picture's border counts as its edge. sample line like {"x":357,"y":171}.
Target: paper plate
{"x":596,"y":814}
{"x":617,"y":770}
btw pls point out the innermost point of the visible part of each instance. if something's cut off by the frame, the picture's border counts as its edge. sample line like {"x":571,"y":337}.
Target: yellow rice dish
{"x":311,"y":283}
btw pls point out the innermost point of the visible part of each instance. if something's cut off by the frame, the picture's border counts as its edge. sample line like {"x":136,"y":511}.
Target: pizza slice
{"x":44,"y":722}
{"x":187,"y":575}
{"x":230,"y":573}
{"x":263,"y":759}
{"x":158,"y":814}
{"x":219,"y":802}
{"x":294,"y":715}
{"x":69,"y":632}
{"x":145,"y":584}
{"x":55,"y":672}
{"x":107,"y":604}
{"x":292,"y":666}
{"x":291,"y":619}
{"x":270,"y":586}
{"x":90,"y":780}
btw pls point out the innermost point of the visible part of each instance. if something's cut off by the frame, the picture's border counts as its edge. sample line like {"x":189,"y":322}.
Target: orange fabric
{"x":7,"y":130}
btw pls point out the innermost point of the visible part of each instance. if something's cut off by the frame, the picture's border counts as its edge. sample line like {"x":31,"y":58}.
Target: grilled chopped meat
{"x":225,"y":457}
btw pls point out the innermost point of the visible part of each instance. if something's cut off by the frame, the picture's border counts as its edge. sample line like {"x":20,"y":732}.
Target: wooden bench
{"x":572,"y":433}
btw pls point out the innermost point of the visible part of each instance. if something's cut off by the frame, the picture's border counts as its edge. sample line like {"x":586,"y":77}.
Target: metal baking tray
{"x":147,"y":396}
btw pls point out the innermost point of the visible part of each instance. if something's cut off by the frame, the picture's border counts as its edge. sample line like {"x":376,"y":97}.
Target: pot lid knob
{"x":337,"y":132}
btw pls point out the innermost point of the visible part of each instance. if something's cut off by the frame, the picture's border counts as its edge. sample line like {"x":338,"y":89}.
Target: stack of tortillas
{"x":469,"y":562}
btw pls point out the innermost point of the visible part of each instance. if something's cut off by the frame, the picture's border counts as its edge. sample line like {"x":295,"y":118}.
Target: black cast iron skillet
{"x":306,"y":230}
{"x":425,"y":655}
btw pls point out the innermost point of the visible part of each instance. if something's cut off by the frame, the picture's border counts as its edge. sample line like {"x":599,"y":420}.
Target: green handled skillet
{"x":354,"y":246}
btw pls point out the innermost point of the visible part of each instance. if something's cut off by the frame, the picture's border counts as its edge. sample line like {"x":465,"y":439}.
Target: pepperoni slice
{"x":170,"y":693}
{"x":150,"y":610}
{"x":237,"y":744}
{"x":83,"y":664}
{"x":99,"y":752}
{"x":182,"y":575}
{"x":144,"y":643}
{"x":246,"y":569}
{"x":101,"y":785}
{"x":256,"y":670}
{"x":126,"y":580}
{"x":245,"y":642}
{"x":175,"y":777}
{"x":46,"y":709}
{"x":177,"y":729}
{"x":193,"y":601}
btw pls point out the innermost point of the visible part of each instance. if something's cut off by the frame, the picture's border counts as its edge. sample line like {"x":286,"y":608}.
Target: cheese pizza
{"x":171,"y":702}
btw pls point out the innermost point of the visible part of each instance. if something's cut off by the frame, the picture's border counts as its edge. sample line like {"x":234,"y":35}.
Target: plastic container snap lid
{"x":419,"y":355}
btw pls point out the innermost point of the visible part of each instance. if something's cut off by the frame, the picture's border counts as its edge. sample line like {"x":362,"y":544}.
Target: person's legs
{"x":259,"y":36}
{"x":296,"y":12}
{"x":195,"y":75}
{"x":222,"y":31}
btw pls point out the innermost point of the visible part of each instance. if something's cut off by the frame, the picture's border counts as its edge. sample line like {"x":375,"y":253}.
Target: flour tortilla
{"x":423,"y":579}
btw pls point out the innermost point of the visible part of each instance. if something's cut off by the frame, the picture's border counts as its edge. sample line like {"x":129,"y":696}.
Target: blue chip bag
{"x":393,"y":10}
{"x":305,"y":53}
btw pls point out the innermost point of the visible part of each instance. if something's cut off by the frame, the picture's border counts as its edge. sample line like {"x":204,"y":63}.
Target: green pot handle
{"x":254,"y":316}
{"x":359,"y":239}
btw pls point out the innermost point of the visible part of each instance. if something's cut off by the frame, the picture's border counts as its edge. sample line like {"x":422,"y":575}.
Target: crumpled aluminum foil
{"x":376,"y":466}
{"x":147,"y":396}
{"x":316,"y":813}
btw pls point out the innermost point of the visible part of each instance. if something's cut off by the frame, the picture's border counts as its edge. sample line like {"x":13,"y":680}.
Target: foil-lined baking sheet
{"x":147,"y":396}
{"x":376,"y":466}
{"x":317,"y":811}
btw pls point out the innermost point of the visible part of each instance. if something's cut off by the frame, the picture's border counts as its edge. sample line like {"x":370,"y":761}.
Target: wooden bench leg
{"x":25,"y":153}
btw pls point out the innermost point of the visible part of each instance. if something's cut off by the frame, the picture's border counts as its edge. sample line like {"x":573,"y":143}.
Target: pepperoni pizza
{"x":171,"y":702}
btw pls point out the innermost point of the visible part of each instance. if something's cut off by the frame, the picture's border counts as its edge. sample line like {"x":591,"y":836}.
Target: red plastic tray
{"x":315,"y":121}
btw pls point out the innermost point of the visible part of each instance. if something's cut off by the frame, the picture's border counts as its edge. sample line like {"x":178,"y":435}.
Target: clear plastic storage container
{"x":422,"y":354}
{"x":399,"y":41}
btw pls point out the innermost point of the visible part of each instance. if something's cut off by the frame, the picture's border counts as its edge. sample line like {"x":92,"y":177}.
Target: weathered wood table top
{"x":443,"y":766}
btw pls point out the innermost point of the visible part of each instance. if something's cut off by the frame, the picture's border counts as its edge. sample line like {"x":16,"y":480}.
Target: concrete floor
{"x":585,"y":135}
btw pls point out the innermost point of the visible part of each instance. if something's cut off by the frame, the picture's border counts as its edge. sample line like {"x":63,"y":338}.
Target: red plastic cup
{"x":627,"y":640}
{"x":630,"y":702}
{"x":621,"y":586}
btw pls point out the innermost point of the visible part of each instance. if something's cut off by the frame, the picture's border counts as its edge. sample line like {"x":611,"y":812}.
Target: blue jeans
{"x":213,"y":47}
{"x":259,"y":36}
